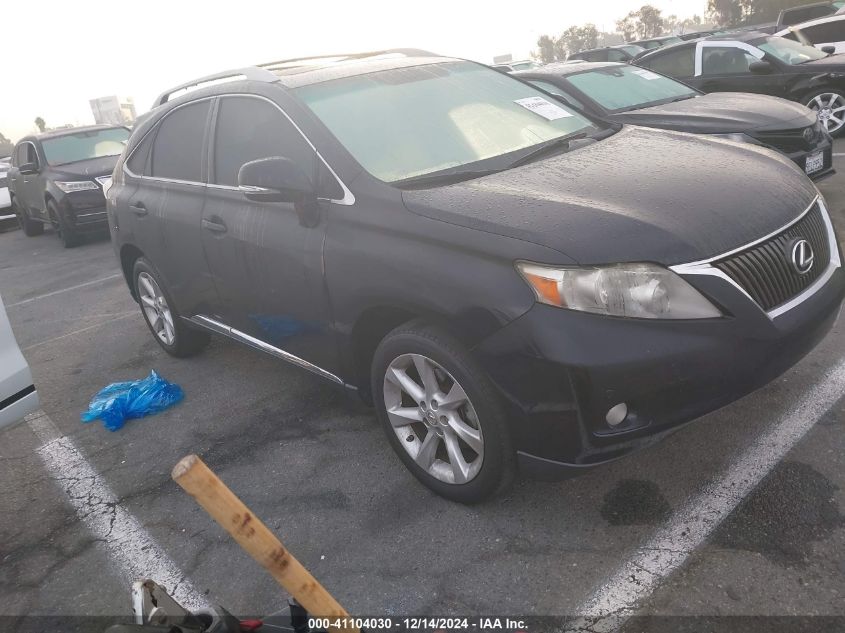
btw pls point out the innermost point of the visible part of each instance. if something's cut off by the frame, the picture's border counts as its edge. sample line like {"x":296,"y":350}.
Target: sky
{"x":74,"y":51}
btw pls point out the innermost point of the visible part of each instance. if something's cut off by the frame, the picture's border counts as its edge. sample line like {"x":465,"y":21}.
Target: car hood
{"x":832,"y":63}
{"x":722,"y":113}
{"x":91,"y":168}
{"x":640,"y":195}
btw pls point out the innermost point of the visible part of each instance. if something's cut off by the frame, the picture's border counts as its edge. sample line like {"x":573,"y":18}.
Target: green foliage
{"x":40,"y":124}
{"x":743,"y":12}
{"x":641,"y":24}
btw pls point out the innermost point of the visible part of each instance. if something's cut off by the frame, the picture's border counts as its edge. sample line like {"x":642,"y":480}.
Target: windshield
{"x":790,"y":52}
{"x":406,"y":122}
{"x":627,"y":87}
{"x":71,"y":148}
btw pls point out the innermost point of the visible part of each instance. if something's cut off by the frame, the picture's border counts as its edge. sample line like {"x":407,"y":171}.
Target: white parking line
{"x":838,"y":154}
{"x":58,"y":292}
{"x":134,"y":552}
{"x":645,"y":570}
{"x":117,"y":317}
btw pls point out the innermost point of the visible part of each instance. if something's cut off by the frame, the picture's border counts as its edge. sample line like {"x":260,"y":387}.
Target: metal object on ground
{"x":252,"y":535}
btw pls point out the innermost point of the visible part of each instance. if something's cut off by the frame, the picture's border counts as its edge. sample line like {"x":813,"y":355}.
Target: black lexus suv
{"x":57,"y":179}
{"x":508,"y":281}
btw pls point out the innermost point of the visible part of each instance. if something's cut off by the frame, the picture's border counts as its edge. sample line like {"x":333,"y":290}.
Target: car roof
{"x":295,"y":73}
{"x":562,"y":69}
{"x":67,"y":131}
{"x":836,"y":17}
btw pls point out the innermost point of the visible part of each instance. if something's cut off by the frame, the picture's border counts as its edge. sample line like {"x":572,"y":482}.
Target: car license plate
{"x":814,"y":162}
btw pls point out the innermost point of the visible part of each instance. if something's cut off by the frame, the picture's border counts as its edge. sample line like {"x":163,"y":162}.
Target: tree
{"x":546,"y":49}
{"x":642,"y":24}
{"x":728,"y":12}
{"x":6,"y":146}
{"x":577,"y":38}
{"x":39,"y":123}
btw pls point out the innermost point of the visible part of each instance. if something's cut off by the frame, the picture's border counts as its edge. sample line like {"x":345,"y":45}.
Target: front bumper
{"x":84,"y":211}
{"x":560,"y":371}
{"x":804,"y":157}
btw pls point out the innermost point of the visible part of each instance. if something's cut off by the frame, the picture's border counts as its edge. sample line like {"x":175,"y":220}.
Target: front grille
{"x":791,"y":140}
{"x":766,"y":272}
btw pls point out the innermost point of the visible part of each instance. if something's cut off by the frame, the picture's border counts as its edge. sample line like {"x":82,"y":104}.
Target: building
{"x":112,"y":110}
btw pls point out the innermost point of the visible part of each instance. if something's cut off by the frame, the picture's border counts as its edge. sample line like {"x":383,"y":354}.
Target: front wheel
{"x":441,"y":413}
{"x":30,"y":227}
{"x":67,"y":236}
{"x":176,"y":338}
{"x":829,"y":106}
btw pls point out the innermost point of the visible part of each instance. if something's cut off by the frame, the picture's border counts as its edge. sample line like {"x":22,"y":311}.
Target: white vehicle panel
{"x":15,"y":377}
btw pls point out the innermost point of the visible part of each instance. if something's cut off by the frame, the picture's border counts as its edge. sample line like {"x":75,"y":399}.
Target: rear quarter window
{"x":177,"y":149}
{"x":675,"y":63}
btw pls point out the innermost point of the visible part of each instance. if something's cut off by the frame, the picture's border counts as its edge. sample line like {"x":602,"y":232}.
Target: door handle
{"x":214,"y":227}
{"x":138,"y":208}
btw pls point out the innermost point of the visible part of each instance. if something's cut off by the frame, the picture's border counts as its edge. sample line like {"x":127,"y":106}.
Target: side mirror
{"x":760,"y":67}
{"x":830,"y":50}
{"x":275,"y":179}
{"x":28,"y":168}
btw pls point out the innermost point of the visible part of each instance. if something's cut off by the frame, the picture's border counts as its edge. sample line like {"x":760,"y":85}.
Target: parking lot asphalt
{"x":317,"y":469}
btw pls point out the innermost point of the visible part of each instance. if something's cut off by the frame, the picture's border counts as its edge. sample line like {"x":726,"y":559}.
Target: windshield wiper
{"x":442,"y":178}
{"x":548,"y":148}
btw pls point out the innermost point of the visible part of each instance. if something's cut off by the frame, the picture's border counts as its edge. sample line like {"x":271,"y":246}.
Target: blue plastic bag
{"x":122,"y":401}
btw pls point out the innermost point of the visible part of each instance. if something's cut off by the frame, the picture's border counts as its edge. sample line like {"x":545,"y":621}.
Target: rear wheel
{"x":66,"y":234}
{"x":829,"y":106}
{"x":30,"y":227}
{"x":441,"y":413}
{"x":176,"y":338}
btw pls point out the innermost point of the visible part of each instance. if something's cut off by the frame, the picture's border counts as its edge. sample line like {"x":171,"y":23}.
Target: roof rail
{"x":408,"y":52}
{"x":253,"y":73}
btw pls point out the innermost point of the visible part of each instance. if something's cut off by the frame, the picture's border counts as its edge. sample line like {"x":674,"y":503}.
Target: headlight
{"x":739,"y":137}
{"x":640,"y":291}
{"x":76,"y":185}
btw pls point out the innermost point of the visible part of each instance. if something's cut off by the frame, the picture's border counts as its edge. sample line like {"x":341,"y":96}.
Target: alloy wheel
{"x":156,"y":308}
{"x":433,"y":418}
{"x":830,"y":108}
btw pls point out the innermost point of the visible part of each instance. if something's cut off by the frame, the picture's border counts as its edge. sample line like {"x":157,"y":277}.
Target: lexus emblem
{"x":808,"y":134}
{"x":802,"y":256}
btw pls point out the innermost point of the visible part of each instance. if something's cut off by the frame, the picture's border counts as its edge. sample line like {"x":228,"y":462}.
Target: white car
{"x":7,"y":216}
{"x":18,"y":396}
{"x":821,"y":32}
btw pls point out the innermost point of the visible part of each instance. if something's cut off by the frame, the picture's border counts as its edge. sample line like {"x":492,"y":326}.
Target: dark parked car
{"x":627,"y":94}
{"x":656,"y":42}
{"x":57,"y":179}
{"x":756,"y":62}
{"x":803,"y":13}
{"x":694,"y":35}
{"x":622,"y":53}
{"x":504,"y":278}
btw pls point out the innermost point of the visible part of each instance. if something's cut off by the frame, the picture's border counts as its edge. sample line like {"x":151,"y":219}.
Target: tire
{"x":30,"y":227}
{"x":825,"y":103}
{"x":66,"y":235}
{"x":168,"y":329}
{"x":481,"y":422}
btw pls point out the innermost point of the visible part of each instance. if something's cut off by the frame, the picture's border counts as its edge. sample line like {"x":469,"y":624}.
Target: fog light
{"x":617,"y":414}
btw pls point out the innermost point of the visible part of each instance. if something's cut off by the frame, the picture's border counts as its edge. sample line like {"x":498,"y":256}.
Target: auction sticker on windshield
{"x":646,"y":74}
{"x":544,"y":108}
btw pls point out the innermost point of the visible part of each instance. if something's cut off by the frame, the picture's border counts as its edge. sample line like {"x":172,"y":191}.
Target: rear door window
{"x":725,"y":60}
{"x":250,"y":128}
{"x":679,"y":62}
{"x":178,"y":147}
{"x":825,"y":32}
